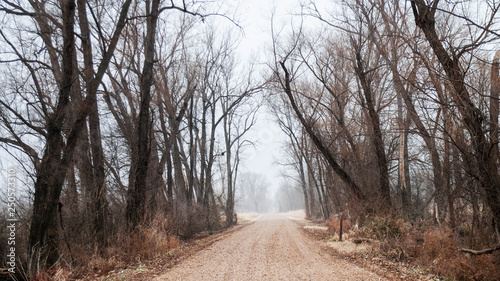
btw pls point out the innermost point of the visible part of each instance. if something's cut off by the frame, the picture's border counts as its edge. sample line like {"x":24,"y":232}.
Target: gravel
{"x":272,"y":248}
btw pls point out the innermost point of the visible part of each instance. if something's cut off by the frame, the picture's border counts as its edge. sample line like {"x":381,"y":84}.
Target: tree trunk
{"x":494,"y":105}
{"x":356,"y":192}
{"x":403,"y":163}
{"x":44,"y":234}
{"x":167,"y":155}
{"x":208,"y":197}
{"x":307,"y":199}
{"x":229,"y":172}
{"x":96,"y":200}
{"x":494,"y":112}
{"x":378,"y":142}
{"x":180,"y":182}
{"x":136,"y":198}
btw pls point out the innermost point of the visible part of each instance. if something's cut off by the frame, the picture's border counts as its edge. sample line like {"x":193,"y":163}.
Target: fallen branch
{"x":361,"y":240}
{"x":481,"y":252}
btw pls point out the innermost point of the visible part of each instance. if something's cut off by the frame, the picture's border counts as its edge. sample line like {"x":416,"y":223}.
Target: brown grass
{"x":333,"y":224}
{"x":144,"y":244}
{"x":148,"y":242}
{"x":431,"y":247}
{"x":59,"y":274}
{"x":441,"y":254}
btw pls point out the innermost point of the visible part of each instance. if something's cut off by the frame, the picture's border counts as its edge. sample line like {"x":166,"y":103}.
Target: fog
{"x":256,"y":194}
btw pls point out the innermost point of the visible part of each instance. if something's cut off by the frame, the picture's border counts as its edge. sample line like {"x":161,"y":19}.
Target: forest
{"x":124,"y":124}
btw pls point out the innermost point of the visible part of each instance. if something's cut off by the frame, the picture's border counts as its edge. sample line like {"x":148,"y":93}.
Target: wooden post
{"x":340,"y":231}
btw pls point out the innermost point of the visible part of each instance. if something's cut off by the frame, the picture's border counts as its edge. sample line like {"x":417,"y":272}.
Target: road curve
{"x":272,"y":248}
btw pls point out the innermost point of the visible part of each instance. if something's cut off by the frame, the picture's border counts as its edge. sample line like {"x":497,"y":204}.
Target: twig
{"x":60,"y":205}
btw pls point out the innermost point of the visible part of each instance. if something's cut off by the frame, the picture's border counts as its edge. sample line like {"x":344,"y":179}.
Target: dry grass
{"x":59,"y":274}
{"x":146,"y":243}
{"x":333,"y":225}
{"x":348,"y":247}
{"x":149,"y":242}
{"x":434,"y":248}
{"x":440,"y":253}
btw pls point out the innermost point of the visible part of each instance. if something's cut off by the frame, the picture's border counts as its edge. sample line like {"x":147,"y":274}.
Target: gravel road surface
{"x":272,"y":248}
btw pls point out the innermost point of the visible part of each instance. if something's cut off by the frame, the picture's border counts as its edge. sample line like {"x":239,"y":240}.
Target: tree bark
{"x":229,"y":172}
{"x":480,"y":252}
{"x":494,"y":106}
{"x":44,"y":235}
{"x":96,"y":202}
{"x":403,"y":163}
{"x":136,"y":198}
{"x":303,"y":184}
{"x":378,"y":142}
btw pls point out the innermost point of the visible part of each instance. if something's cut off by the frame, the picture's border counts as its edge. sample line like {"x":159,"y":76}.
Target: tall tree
{"x":136,"y":200}
{"x":377,"y":138}
{"x":51,"y":171}
{"x":96,"y":202}
{"x":286,"y":85}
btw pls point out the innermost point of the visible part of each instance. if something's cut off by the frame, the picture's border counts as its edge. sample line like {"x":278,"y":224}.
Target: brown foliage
{"x":395,"y":236}
{"x":440,"y":253}
{"x":333,"y":224}
{"x":430,"y":247}
{"x":146,"y":242}
{"x":60,"y":274}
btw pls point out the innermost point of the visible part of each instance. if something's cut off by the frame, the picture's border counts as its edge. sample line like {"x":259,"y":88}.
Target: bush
{"x":435,"y":248}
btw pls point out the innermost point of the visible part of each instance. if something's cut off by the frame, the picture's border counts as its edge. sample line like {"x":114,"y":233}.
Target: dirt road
{"x":272,"y":248}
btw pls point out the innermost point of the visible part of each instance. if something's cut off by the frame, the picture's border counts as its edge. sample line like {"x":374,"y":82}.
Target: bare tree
{"x":472,"y":117}
{"x":136,"y":199}
{"x":58,"y":152}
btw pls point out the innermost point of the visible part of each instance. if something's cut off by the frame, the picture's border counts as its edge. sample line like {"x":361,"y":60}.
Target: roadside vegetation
{"x":428,"y":250}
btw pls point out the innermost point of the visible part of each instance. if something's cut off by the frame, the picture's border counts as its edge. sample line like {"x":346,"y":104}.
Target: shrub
{"x":398,"y":241}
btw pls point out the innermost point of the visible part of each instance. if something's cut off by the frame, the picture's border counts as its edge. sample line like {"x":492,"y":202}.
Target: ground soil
{"x":274,"y":247}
